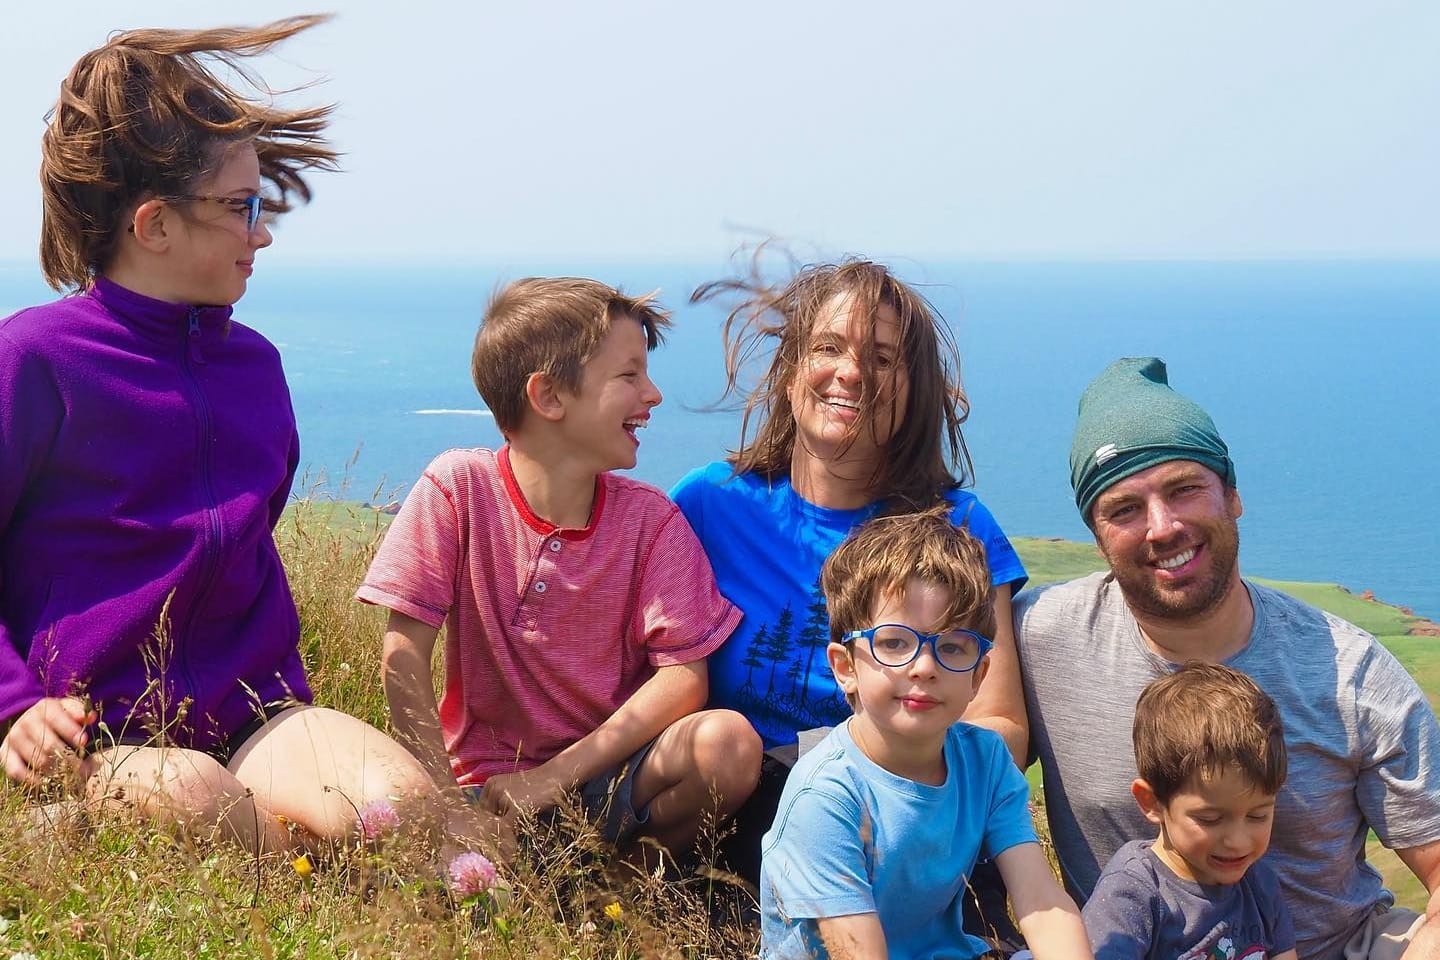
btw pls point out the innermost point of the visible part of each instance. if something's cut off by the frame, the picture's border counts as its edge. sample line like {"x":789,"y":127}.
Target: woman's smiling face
{"x":849,"y":396}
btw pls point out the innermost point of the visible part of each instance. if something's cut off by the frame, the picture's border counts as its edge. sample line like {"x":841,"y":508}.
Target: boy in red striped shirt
{"x":579,"y":605}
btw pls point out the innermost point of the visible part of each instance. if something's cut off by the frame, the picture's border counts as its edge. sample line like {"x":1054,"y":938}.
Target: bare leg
{"x":702,"y":766}
{"x":318,"y":767}
{"x":186,"y":788}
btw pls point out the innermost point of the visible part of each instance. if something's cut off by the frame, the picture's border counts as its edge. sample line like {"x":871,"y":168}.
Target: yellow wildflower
{"x":303,"y":866}
{"x":614,"y":911}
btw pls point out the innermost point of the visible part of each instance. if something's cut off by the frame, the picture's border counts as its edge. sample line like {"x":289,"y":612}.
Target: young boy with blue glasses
{"x":881,"y":823}
{"x":579,"y":607}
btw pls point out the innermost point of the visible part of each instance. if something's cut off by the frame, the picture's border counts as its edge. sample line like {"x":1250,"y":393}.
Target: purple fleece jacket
{"x":146,"y":451}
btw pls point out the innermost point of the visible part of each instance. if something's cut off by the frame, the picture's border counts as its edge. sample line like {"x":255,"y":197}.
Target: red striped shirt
{"x":548,"y":630}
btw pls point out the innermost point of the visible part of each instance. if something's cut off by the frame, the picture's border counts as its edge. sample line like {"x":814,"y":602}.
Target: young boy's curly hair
{"x":884,"y":554}
{"x":1202,"y":720}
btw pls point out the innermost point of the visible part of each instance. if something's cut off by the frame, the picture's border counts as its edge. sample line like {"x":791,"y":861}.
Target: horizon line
{"x":440,"y":263}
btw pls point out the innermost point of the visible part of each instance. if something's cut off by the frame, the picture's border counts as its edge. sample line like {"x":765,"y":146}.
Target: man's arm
{"x":1000,"y":703}
{"x":858,"y":936}
{"x":1424,"y":862}
{"x":1044,"y":912}
{"x":673,"y":692}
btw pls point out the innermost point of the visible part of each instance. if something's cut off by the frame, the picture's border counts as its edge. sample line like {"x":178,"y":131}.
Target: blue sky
{"x":674,"y":131}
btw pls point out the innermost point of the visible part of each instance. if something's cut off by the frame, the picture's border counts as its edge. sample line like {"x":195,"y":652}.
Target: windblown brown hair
{"x":549,"y":325}
{"x":884,"y":554}
{"x":1203,"y":720}
{"x":926,"y":454}
{"x":146,"y":116}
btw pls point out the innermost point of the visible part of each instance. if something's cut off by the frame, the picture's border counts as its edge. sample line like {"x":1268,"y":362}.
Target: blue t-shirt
{"x":1141,"y":910}
{"x":767,"y":545}
{"x":851,"y":837}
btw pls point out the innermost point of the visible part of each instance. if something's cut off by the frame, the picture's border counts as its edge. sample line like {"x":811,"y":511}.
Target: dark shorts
{"x":222,"y":752}
{"x":606,"y":799}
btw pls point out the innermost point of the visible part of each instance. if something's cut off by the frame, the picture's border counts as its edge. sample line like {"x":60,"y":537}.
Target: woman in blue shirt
{"x":858,"y":412}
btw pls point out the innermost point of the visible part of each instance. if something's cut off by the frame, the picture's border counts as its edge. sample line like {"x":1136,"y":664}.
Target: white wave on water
{"x":455,"y":413}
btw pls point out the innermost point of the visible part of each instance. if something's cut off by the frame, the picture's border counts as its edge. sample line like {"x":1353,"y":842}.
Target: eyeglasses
{"x":896,"y":645}
{"x":254,"y":205}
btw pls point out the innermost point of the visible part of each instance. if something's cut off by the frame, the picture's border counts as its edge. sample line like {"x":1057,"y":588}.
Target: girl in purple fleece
{"x":148,"y":639}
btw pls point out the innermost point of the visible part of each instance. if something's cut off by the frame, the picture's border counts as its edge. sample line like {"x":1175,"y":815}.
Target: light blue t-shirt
{"x":766,"y":546}
{"x":851,"y":837}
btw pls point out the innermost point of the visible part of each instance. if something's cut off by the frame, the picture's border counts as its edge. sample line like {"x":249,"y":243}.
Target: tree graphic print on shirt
{"x":788,"y":685}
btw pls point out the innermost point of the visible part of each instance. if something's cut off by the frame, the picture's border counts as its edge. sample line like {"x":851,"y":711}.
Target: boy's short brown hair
{"x":549,"y":325}
{"x":1202,"y":720}
{"x":882,"y":555}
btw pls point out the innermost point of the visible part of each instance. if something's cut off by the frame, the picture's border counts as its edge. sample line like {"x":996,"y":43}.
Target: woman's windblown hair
{"x":926,"y":453}
{"x":146,"y":115}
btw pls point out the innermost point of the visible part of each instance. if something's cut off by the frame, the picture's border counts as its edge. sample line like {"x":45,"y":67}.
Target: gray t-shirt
{"x":1141,"y":910}
{"x":1364,"y":744}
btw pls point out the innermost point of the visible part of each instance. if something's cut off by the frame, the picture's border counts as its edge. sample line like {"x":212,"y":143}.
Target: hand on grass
{"x":46,"y":739}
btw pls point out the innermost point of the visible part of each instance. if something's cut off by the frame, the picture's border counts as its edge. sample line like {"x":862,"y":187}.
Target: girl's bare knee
{"x":185,"y":787}
{"x":404,"y":787}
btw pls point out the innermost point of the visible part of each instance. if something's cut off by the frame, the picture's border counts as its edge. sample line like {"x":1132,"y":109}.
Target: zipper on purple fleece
{"x":212,"y":546}
{"x":195,"y":354}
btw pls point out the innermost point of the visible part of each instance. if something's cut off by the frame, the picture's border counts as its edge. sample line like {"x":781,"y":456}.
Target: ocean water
{"x":1321,"y":376}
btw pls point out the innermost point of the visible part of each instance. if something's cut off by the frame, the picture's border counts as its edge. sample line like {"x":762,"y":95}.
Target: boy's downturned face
{"x":1214,"y":829}
{"x":614,"y":400}
{"x":900,"y":709}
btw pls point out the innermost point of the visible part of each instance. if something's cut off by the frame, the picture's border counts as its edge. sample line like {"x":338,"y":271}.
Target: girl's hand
{"x":46,"y":739}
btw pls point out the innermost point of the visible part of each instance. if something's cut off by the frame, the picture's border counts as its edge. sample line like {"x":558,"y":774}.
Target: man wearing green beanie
{"x":1156,"y":485}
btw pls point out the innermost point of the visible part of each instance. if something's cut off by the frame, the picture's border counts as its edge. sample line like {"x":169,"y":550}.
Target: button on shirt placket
{"x":542,"y":573}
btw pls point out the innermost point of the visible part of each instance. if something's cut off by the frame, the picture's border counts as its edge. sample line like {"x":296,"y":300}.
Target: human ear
{"x":1232,"y":500}
{"x":981,"y":668}
{"x":842,"y":664}
{"x":152,"y":225}
{"x":544,"y":397}
{"x":1099,"y":539}
{"x":1150,"y":804}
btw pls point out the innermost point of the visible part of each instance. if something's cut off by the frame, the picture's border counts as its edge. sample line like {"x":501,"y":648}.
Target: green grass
{"x":121,"y":889}
{"x":1050,"y":561}
{"x":1381,"y":619}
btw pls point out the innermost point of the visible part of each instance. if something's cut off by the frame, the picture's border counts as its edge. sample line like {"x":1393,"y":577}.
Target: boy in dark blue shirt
{"x":1210,"y":752}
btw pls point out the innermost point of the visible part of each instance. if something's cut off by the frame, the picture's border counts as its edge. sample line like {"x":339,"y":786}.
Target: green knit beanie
{"x":1130,"y":420}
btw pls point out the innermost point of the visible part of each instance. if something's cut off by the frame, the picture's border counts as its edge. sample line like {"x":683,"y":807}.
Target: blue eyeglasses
{"x":255,"y":205}
{"x":896,"y":645}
